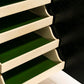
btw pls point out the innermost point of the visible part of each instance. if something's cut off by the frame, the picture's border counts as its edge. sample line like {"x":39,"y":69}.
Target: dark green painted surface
{"x":21,"y":45}
{"x":28,"y":70}
{"x":17,"y":20}
{"x":7,"y":2}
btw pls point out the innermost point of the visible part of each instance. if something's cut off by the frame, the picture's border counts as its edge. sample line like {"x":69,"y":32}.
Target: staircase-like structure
{"x":28,"y":52}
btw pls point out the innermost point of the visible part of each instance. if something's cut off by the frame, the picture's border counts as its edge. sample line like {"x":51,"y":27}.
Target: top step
{"x":14,"y":6}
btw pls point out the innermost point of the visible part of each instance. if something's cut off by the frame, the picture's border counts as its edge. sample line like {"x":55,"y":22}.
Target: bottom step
{"x":32,"y":69}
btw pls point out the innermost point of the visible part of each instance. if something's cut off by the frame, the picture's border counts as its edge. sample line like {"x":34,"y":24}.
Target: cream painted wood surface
{"x":38,"y":11}
{"x":21,"y":6}
{"x":43,"y":30}
{"x":46,"y":74}
{"x":11,"y":34}
{"x":37,"y":79}
{"x":28,"y":56}
{"x":1,"y":80}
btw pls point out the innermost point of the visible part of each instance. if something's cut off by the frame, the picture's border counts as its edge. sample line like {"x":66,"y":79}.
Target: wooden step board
{"x":28,"y":70}
{"x":21,"y":23}
{"x":17,"y":20}
{"x":8,"y":7}
{"x":22,"y":47}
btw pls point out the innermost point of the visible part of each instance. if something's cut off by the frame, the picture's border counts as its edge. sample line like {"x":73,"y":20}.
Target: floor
{"x":60,"y":78}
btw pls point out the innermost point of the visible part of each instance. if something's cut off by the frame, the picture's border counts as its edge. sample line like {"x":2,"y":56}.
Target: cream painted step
{"x":22,"y":30}
{"x":23,"y":49}
{"x":21,"y":6}
{"x":34,"y":71}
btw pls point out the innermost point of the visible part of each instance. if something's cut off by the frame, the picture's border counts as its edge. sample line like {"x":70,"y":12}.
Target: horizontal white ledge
{"x":58,"y":78}
{"x":21,"y":6}
{"x":37,"y":79}
{"x":28,"y":56}
{"x":19,"y":31}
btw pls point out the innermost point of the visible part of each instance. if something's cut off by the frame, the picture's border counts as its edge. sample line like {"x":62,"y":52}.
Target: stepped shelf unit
{"x":28,"y":52}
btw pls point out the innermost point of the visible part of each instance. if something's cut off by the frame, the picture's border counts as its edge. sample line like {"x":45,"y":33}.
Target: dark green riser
{"x":20,"y":45}
{"x":28,"y":70}
{"x":8,"y":2}
{"x":17,"y":20}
